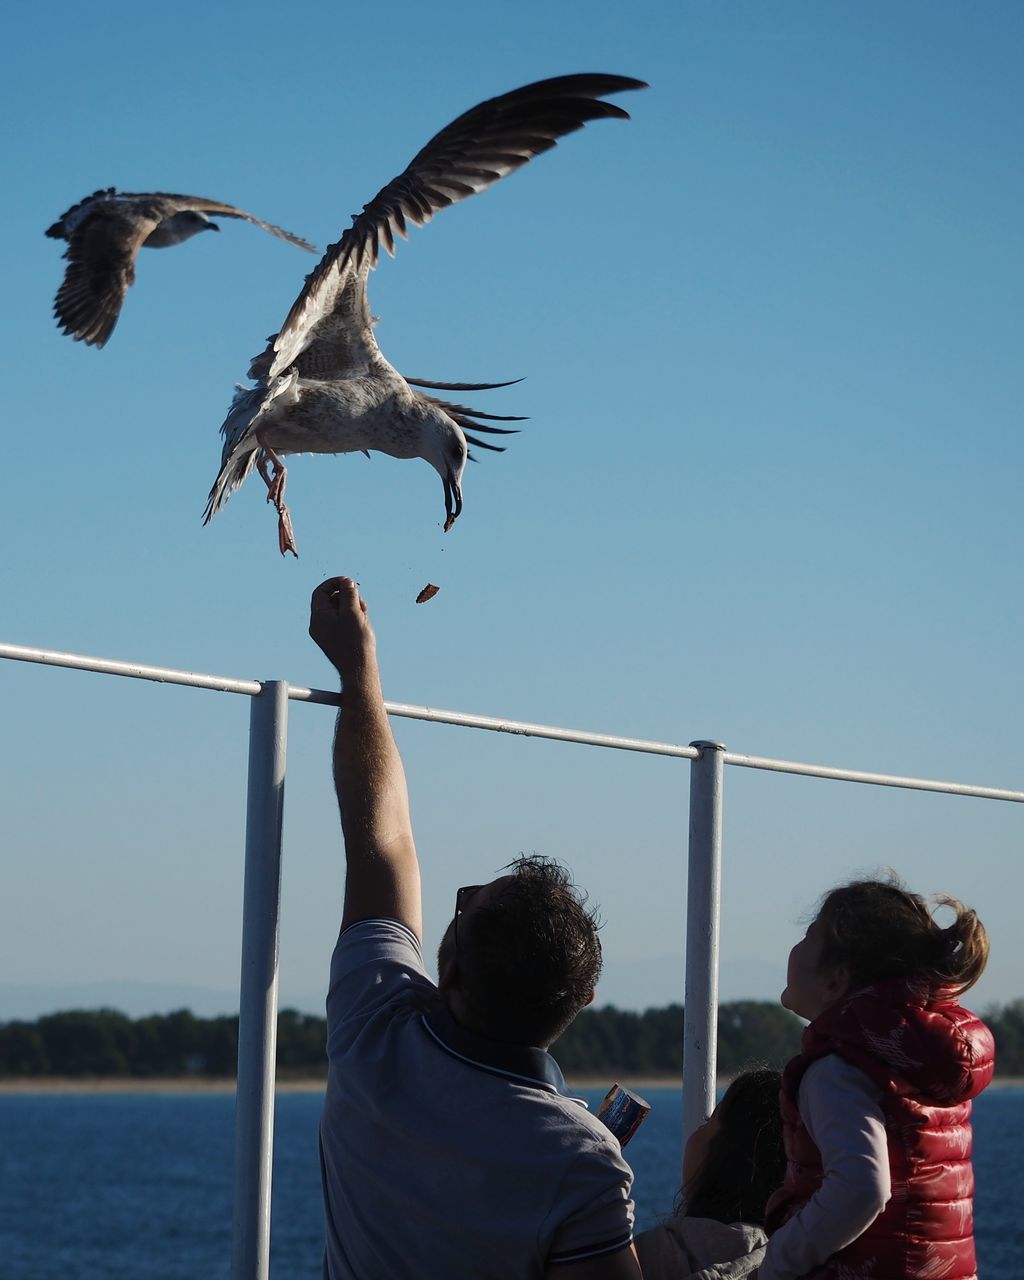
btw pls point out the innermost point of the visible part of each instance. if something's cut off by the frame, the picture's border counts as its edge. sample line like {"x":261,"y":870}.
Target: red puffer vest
{"x":929,"y":1058}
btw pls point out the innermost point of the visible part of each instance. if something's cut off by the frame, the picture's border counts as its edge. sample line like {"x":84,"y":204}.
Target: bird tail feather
{"x":240,"y":445}
{"x":232,"y":475}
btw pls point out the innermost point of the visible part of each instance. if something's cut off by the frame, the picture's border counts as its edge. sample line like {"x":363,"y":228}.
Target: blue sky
{"x":769,"y":491}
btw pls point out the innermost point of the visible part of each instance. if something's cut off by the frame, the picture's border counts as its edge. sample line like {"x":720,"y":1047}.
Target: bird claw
{"x":285,"y":535}
{"x":275,"y":494}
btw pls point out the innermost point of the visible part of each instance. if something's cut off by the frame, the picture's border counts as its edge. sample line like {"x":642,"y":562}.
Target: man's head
{"x":521,"y":957}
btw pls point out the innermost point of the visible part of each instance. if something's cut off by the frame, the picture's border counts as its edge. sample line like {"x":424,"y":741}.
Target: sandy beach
{"x":135,"y":1084}
{"x":218,"y":1084}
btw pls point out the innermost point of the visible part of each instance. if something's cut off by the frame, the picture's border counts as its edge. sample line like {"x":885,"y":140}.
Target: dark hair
{"x":745,"y":1161}
{"x":878,"y":929}
{"x":530,"y":958}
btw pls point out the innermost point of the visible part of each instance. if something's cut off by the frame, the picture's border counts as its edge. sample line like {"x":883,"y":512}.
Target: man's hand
{"x":339,"y":624}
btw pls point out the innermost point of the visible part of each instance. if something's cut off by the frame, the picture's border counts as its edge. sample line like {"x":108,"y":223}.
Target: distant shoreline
{"x":222,"y":1084}
{"x":215,"y":1084}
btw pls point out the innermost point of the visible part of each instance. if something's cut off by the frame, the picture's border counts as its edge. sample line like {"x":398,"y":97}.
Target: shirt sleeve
{"x":841,"y":1110}
{"x":595,"y":1208}
{"x":376,"y":963}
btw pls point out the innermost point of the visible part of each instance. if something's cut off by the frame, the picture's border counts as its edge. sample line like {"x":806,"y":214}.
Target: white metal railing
{"x":257,"y":1021}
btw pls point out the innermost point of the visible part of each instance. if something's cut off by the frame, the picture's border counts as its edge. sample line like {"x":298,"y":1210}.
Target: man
{"x":448,"y":1146}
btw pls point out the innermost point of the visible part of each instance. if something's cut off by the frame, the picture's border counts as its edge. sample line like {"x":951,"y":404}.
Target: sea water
{"x":139,"y":1186}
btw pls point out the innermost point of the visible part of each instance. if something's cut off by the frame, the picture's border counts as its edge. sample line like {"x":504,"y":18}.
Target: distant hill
{"x":106,"y":1042}
{"x":30,"y":1000}
{"x":659,"y":979}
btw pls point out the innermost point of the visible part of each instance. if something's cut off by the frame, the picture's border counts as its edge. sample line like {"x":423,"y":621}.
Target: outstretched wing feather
{"x":468,"y":420}
{"x":482,"y":444}
{"x":461,"y":386}
{"x":482,"y":145}
{"x":176,"y":204}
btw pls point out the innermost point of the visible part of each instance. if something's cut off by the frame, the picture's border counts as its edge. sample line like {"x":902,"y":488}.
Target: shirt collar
{"x":523,"y":1064}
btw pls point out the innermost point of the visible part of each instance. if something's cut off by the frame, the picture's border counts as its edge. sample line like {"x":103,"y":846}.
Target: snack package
{"x":622,"y":1112}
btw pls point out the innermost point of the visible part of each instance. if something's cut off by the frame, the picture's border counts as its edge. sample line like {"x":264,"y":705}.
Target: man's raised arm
{"x":383,"y":878}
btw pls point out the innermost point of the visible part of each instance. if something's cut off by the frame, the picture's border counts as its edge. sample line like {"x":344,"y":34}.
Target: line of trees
{"x":608,"y":1041}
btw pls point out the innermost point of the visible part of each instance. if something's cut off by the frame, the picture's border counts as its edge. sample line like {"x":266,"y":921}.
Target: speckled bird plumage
{"x":322,"y":383}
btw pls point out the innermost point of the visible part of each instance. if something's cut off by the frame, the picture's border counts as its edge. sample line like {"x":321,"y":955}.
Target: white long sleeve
{"x":841,"y":1110}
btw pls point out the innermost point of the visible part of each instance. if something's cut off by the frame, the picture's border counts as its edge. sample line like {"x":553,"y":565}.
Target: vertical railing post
{"x":703,"y":899}
{"x":257,"y":1013}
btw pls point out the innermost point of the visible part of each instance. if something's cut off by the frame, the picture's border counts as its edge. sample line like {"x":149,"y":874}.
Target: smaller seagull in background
{"x":104,"y":233}
{"x":323,"y":384}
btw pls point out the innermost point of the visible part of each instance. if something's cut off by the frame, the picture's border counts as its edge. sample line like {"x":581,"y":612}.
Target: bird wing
{"x":65,"y":224}
{"x":101,"y":267}
{"x":339,"y":343}
{"x":171,"y":204}
{"x":482,"y":145}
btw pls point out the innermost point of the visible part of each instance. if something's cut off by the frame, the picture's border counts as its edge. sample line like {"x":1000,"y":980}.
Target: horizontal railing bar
{"x":557,"y":734}
{"x":226,"y":684}
{"x":872,"y":779}
{"x":134,"y":670}
{"x":411,"y":711}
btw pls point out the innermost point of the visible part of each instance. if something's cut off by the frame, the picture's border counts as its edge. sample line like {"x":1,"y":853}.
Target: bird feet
{"x":274,"y":479}
{"x":285,"y":536}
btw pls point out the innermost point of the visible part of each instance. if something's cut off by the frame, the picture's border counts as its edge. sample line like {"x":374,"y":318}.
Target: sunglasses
{"x":460,"y":897}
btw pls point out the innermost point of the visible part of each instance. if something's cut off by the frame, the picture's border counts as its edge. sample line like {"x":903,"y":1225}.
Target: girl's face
{"x":810,"y":990}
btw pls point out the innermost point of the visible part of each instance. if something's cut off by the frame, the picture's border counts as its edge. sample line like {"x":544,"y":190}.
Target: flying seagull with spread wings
{"x":322,"y":384}
{"x":104,"y":233}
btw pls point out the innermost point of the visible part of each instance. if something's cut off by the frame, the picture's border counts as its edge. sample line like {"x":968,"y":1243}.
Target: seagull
{"x":322,"y":383}
{"x":104,"y":233}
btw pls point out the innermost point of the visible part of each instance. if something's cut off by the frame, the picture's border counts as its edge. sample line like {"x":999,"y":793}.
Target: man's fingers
{"x":332,"y":591}
{"x":331,"y":585}
{"x":325,"y":590}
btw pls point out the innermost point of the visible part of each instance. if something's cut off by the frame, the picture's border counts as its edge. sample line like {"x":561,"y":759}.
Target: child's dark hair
{"x":745,"y":1161}
{"x":878,"y":929}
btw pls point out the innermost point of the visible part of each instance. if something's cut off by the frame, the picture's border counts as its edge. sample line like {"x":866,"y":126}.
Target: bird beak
{"x":212,"y":226}
{"x":452,"y":490}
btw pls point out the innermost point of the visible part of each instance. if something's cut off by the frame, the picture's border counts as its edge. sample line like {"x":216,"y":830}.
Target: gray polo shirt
{"x":444,"y":1154}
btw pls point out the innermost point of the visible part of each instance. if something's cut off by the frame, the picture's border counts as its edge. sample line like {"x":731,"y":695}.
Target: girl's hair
{"x":878,"y":929}
{"x":745,"y":1161}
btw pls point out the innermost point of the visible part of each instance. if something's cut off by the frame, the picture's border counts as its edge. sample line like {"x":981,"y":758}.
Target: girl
{"x":731,"y":1165}
{"x":876,"y":1106}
